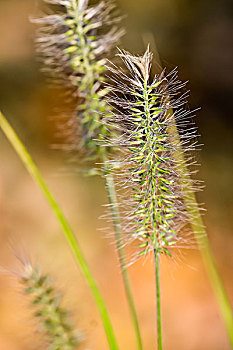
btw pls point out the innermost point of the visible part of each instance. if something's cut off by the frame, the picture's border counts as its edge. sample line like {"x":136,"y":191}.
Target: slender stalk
{"x":110,"y":188}
{"x":68,"y":233}
{"x":201,"y":234}
{"x":158,"y":300}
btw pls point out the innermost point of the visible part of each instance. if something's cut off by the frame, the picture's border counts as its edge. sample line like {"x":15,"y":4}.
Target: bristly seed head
{"x":73,"y":43}
{"x":53,"y":318}
{"x":143,"y":111}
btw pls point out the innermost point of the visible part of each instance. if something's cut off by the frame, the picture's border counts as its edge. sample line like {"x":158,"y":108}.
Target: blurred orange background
{"x":195,"y":36}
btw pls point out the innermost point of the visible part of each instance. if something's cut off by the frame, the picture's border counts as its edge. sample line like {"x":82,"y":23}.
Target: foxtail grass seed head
{"x":53,"y":319}
{"x":144,"y":112}
{"x":73,"y":42}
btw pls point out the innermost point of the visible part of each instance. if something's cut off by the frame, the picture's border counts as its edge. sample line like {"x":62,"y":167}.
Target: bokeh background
{"x":196,"y":36}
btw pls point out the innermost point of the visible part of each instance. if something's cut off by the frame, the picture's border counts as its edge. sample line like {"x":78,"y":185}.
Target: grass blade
{"x":68,"y":233}
{"x":201,"y":235}
{"x":110,"y":188}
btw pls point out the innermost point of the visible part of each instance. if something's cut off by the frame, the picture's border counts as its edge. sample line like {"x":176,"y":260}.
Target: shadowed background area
{"x":193,"y":35}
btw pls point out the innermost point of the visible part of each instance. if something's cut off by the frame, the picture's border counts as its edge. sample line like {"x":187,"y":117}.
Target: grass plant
{"x":160,"y":206}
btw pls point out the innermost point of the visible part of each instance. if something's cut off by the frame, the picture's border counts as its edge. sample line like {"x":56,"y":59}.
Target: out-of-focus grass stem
{"x":69,"y":235}
{"x":110,"y":188}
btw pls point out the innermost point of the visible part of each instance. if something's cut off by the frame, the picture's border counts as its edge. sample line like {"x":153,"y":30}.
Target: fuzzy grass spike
{"x":53,"y":318}
{"x":73,"y":42}
{"x":154,"y":209}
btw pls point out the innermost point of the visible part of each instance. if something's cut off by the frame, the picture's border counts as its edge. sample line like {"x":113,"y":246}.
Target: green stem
{"x":158,"y":301}
{"x":69,"y":235}
{"x":109,"y":181}
{"x":200,"y":232}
